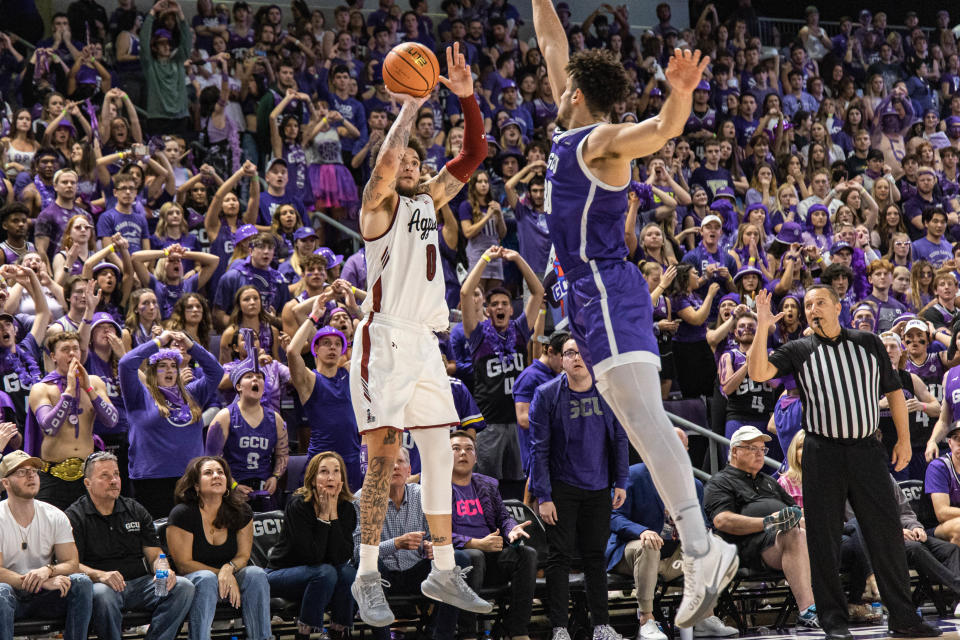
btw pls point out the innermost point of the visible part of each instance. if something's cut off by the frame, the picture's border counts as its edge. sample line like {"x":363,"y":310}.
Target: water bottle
{"x":160,"y":578}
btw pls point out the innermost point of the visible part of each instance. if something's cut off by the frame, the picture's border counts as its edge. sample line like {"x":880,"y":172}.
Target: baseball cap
{"x":492,"y":140}
{"x":275,"y":161}
{"x":106,"y":265}
{"x":953,"y":429}
{"x":244,"y":232}
{"x":563,"y":6}
{"x":735,"y":297}
{"x":328,"y":331}
{"x":161,"y":34}
{"x":16,"y":459}
{"x":331,"y":258}
{"x":916,"y":325}
{"x":304,"y":232}
{"x":709,"y":219}
{"x":101,"y":317}
{"x":507,"y":84}
{"x":8,"y":316}
{"x":840,"y":246}
{"x":746,"y":434}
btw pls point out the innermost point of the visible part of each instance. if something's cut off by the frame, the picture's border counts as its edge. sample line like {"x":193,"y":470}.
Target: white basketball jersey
{"x":404,"y":274}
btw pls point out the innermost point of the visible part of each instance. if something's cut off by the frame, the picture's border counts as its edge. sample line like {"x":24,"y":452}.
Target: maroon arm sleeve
{"x":474,"y":149}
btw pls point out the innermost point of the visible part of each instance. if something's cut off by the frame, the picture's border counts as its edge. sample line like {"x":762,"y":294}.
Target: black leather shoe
{"x":839,"y":634}
{"x":920,"y":630}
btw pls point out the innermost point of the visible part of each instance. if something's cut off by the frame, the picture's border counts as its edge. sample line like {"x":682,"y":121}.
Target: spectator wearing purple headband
{"x":325,"y":392}
{"x":164,"y":412}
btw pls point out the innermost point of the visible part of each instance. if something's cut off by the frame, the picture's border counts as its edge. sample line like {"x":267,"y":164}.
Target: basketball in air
{"x":411,"y":68}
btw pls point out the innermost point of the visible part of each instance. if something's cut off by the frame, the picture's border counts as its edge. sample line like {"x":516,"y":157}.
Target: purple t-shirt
{"x":132,"y":226}
{"x":269,"y":204}
{"x":52,"y":221}
{"x":935,"y":254}
{"x":467,"y":519}
{"x":887,"y":311}
{"x":940,"y":478}
{"x":534,"y":236}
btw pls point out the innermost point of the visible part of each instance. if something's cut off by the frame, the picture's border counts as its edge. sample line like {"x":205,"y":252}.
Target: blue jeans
{"x":76,"y":606}
{"x":316,"y":586}
{"x":168,"y":612}
{"x":254,"y":597}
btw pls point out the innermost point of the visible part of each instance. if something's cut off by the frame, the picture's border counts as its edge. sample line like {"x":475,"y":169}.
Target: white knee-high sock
{"x":633,"y":392}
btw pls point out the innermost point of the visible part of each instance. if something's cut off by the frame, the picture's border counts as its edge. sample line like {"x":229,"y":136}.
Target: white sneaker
{"x":704,"y":577}
{"x":956,"y":612}
{"x":561,"y":633}
{"x":650,"y":630}
{"x":713,"y":627}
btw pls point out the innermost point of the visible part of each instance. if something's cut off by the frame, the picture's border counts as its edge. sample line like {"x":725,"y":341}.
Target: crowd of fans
{"x":179,"y":299}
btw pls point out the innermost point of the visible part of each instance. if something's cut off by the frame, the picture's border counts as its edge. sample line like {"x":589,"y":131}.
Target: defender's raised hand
{"x":685,"y":69}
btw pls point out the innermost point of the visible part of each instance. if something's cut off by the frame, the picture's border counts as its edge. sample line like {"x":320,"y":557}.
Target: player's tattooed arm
{"x":383,"y":179}
{"x":442,"y":188}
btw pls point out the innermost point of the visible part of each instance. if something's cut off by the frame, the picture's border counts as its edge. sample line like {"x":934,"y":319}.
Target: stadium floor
{"x":949,"y":626}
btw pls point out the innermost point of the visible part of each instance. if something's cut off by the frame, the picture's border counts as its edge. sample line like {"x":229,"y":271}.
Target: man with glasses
{"x":752,"y":511}
{"x":579,"y":452}
{"x":38,"y":558}
{"x":123,"y":217}
{"x":118,"y":550}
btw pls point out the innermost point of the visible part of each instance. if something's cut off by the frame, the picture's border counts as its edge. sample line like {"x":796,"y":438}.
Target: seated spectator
{"x":944,"y":489}
{"x":118,"y":549}
{"x":406,"y":551}
{"x":39,"y":568}
{"x":749,"y":509}
{"x":311,"y":561}
{"x":644,"y":544}
{"x":210,"y":535}
{"x":481,"y":525}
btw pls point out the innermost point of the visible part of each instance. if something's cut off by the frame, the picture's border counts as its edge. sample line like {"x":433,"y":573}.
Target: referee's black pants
{"x":835,"y":471}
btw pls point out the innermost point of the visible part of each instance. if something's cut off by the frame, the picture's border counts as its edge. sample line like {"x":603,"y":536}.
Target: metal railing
{"x":355,"y":237}
{"x":714,"y":441}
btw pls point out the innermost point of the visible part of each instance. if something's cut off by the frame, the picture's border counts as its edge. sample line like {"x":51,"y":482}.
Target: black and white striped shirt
{"x":840,"y":381}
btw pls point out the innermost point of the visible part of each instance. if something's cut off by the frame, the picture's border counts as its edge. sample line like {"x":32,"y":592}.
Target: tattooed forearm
{"x":390,"y":437}
{"x":388,"y":159}
{"x":281,"y":452}
{"x":374,"y":499}
{"x":440,"y":541}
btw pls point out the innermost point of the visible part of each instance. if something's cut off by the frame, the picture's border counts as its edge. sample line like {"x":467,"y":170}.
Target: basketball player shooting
{"x":588,"y":173}
{"x":398,"y":380}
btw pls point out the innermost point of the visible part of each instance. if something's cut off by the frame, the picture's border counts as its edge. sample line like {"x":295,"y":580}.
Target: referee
{"x":840,"y":374}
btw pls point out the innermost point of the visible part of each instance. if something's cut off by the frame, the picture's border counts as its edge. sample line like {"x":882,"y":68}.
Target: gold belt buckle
{"x":70,"y":470}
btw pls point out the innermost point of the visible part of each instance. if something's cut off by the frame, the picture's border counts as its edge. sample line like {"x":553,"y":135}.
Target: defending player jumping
{"x":397,"y":377}
{"x":588,"y":173}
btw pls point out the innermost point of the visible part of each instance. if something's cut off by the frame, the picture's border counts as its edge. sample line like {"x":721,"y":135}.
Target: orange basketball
{"x":412,"y":69}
